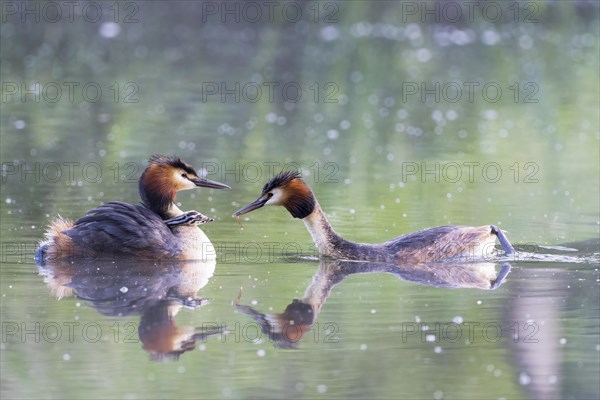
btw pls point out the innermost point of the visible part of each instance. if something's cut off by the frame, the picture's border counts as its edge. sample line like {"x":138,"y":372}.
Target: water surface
{"x":382,"y":162}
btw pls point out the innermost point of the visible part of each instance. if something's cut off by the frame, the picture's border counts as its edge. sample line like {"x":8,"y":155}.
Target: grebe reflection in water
{"x":286,"y":329}
{"x":155,"y":291}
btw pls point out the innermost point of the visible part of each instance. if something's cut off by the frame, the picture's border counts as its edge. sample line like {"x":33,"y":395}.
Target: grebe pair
{"x":158,"y":229}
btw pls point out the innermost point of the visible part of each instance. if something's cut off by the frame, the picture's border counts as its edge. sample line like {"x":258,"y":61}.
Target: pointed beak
{"x":203,"y":182}
{"x":258,"y":203}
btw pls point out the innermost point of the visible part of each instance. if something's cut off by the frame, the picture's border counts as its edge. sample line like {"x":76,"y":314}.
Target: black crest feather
{"x":281,"y":179}
{"x":172,"y":161}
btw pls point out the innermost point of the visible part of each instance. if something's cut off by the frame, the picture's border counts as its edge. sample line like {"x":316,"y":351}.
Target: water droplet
{"x":356,"y":76}
{"x":333,"y":134}
{"x":329,"y":33}
{"x":490,"y":114}
{"x":271,"y":118}
{"x":524,"y":379}
{"x":423,"y":55}
{"x":490,"y":37}
{"x":110,"y":30}
{"x":526,"y":42}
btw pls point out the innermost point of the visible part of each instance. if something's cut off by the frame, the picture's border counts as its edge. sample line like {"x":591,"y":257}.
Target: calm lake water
{"x":399,"y":118}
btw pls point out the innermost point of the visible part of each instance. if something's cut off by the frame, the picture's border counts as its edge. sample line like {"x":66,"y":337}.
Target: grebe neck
{"x":330,"y":244}
{"x":173,"y":211}
{"x":321,"y":231}
{"x":159,"y":199}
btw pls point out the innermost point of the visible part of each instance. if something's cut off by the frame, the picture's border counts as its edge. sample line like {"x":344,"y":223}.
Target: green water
{"x":388,"y":148}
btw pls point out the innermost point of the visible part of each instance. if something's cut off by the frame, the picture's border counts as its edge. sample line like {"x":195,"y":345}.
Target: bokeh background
{"x":401,"y":115}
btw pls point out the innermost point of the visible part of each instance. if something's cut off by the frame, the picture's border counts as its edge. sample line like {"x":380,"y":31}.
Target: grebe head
{"x":286,"y":189}
{"x":164,"y":177}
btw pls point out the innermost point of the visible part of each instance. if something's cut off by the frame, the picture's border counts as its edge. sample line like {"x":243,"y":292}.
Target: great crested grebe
{"x":156,"y":229}
{"x":429,"y":245}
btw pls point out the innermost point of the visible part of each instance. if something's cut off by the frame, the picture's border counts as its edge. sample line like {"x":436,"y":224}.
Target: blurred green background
{"x":365,"y":99}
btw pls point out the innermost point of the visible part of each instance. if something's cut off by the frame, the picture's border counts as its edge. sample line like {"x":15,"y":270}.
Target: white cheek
{"x":184,"y":183}
{"x":189,"y":184}
{"x":275,"y":200}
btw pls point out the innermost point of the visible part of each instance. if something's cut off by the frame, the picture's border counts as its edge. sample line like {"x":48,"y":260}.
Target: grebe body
{"x":429,"y":245}
{"x":155,"y":229}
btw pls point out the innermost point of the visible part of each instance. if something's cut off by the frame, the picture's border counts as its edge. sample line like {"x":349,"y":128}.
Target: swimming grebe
{"x":156,"y":229}
{"x":430,"y":245}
